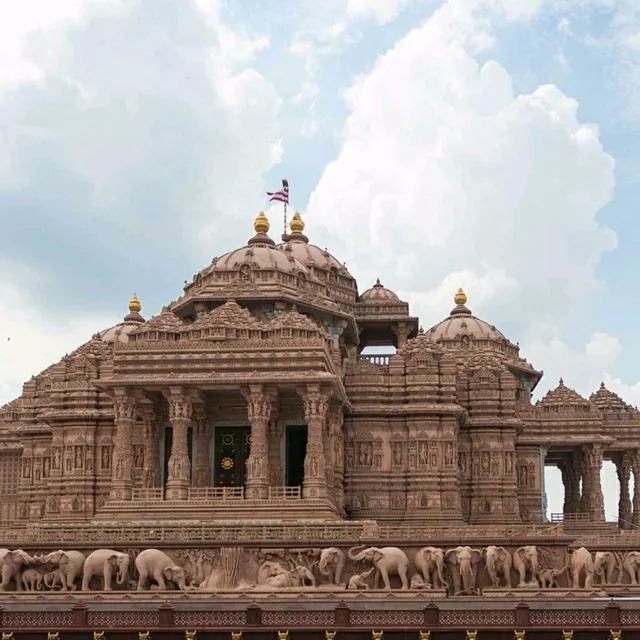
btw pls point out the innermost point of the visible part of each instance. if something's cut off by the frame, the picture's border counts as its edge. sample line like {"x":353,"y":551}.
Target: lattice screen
{"x":9,"y":473}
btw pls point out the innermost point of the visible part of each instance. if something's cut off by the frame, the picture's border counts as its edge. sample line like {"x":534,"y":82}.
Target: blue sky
{"x":434,"y":144}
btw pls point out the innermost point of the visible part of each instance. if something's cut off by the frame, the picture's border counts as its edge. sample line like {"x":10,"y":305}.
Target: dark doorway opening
{"x":296,"y":450}
{"x":232,"y":447}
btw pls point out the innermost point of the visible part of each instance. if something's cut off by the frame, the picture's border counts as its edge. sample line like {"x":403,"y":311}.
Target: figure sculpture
{"x":430,"y":562}
{"x":463,"y":561}
{"x":581,"y":565}
{"x":387,"y":561}
{"x":526,"y":563}
{"x":548,"y":578}
{"x":604,"y":566}
{"x":32,"y":579}
{"x":157,"y":565}
{"x":69,"y":566}
{"x":631,"y":566}
{"x":102,"y":562}
{"x":332,"y":564}
{"x":359,"y":580}
{"x":498,"y":562}
{"x":11,"y":566}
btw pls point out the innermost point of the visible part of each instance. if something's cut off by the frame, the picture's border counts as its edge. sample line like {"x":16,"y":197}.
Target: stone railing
{"x":377,"y":358}
{"x":210,"y":494}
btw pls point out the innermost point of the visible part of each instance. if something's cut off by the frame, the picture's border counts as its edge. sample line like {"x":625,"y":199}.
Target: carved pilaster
{"x":335,"y":420}
{"x":125,"y":408}
{"x":635,"y":467}
{"x":179,"y":467}
{"x":276,"y":431}
{"x":316,"y":404}
{"x":593,"y":455}
{"x":625,"y":509}
{"x":202,"y":475}
{"x":259,"y":405}
{"x":571,"y":474}
{"x":150,"y":468}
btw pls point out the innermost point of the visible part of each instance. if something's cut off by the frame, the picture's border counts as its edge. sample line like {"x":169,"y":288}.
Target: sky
{"x":486,"y":144}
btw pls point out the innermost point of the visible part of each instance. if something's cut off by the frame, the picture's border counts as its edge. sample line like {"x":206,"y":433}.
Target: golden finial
{"x":330,"y":635}
{"x":460,"y":297}
{"x":98,"y":635}
{"x":297,"y":223}
{"x":191,"y":635}
{"x":567,"y":635}
{"x":283,"y":635}
{"x":519,"y":635}
{"x":144,"y":635}
{"x":425,"y":635}
{"x":261,"y":223}
{"x":377,"y":635}
{"x":615,"y":635}
{"x":134,"y":304}
{"x":472,"y":635}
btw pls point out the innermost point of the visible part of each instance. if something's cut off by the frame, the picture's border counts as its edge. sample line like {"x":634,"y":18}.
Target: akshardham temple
{"x":241,"y":465}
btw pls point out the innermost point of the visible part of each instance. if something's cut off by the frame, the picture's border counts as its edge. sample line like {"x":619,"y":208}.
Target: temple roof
{"x":378,"y":294}
{"x":609,"y":401}
{"x":563,"y":396}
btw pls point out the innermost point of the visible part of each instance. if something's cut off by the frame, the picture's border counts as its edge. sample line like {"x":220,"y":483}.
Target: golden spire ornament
{"x":134,"y":304}
{"x":261,"y":223}
{"x":460,"y":297}
{"x":297,"y":223}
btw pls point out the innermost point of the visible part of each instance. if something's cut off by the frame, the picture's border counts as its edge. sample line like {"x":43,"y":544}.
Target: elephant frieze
{"x":332,"y":563}
{"x":498,"y":562}
{"x":429,"y":561}
{"x":463,"y":568}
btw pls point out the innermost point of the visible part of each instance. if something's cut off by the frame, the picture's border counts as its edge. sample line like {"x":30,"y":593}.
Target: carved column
{"x":316,"y":404}
{"x":635,"y":466}
{"x":125,"y":408}
{"x":202,"y":475}
{"x":259,"y":404}
{"x":625,"y":509}
{"x":593,"y":458}
{"x":151,"y":467}
{"x":585,"y":477}
{"x":179,"y":471}
{"x":570,"y":468}
{"x":276,"y":431}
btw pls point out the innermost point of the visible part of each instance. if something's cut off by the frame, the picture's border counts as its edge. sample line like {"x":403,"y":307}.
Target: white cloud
{"x":382,"y":11}
{"x":30,"y":342}
{"x":442,"y":164}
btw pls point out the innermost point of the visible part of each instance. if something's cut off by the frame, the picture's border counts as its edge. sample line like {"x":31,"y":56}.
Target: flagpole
{"x":285,"y":185}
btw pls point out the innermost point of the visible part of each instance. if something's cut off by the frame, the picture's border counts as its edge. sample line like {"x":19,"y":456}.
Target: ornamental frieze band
{"x":240,"y":461}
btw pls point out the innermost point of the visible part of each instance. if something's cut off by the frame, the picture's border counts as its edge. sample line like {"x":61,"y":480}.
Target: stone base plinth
{"x":542,"y":594}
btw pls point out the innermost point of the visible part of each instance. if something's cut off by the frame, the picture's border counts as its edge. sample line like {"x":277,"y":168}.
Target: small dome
{"x":462,"y":322}
{"x":259,"y":257}
{"x":378,"y":294}
{"x":120,"y":332}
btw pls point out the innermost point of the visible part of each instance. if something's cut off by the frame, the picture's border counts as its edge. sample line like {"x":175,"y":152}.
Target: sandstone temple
{"x":239,"y":464}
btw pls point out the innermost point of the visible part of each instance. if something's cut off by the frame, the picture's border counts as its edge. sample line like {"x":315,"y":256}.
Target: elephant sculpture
{"x":525,"y":561}
{"x":102,"y":562}
{"x":498,"y":562}
{"x":32,"y":579}
{"x":631,"y":565}
{"x":387,"y":561}
{"x":302,"y":577}
{"x":581,"y":565}
{"x":11,"y":567}
{"x":463,"y":561}
{"x":430,"y":563}
{"x":275,"y":575}
{"x":548,"y":578}
{"x":158,"y":566}
{"x":332,"y":563}
{"x":604,"y":565}
{"x":69,"y":565}
{"x":53,"y":579}
{"x":359,"y":580}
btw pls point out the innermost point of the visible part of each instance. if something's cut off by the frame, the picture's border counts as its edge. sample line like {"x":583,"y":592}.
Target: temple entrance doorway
{"x":232,"y":447}
{"x":296,"y":449}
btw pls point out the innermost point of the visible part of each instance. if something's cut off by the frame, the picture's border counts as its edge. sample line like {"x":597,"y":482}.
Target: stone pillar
{"x":179,"y":471}
{"x":593,"y":455}
{"x":275,"y":433}
{"x":401,"y":331}
{"x":150,"y":465}
{"x":625,"y":509}
{"x":125,"y":409}
{"x":259,"y":403}
{"x":585,"y":477}
{"x":202,"y":475}
{"x":570,"y":469}
{"x":335,"y":420}
{"x":316,"y":404}
{"x":635,"y":467}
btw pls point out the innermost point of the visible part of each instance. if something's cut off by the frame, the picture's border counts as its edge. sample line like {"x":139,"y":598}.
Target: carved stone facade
{"x":249,"y":400}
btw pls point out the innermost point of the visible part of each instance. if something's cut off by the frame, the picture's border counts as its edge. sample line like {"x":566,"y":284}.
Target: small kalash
{"x":242,"y":465}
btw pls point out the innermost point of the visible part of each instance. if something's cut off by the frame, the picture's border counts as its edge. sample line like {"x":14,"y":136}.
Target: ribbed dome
{"x":461,"y":322}
{"x":378,"y":293}
{"x":119,"y":332}
{"x":260,"y":257}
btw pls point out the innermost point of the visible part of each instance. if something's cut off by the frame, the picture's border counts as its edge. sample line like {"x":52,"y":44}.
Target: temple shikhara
{"x":242,"y":464}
